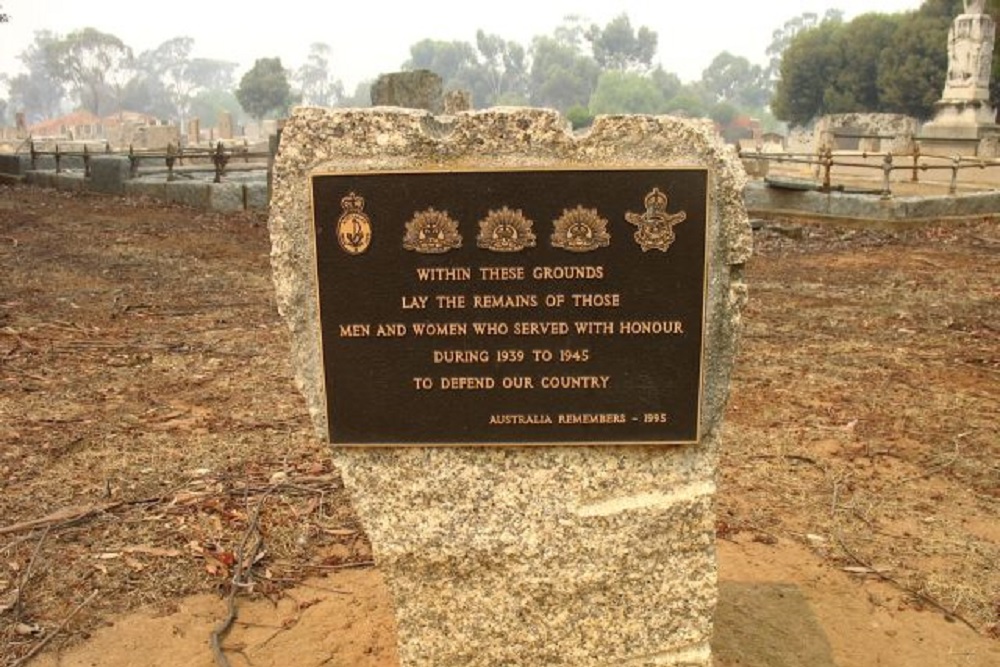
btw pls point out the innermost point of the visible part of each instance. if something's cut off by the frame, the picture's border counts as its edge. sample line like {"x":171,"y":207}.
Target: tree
{"x":733,"y":79}
{"x":807,"y":65}
{"x":317,"y":86}
{"x":912,"y":70}
{"x":561,"y":75}
{"x":39,"y":92}
{"x":265,"y":89}
{"x":94,"y":63}
{"x":501,"y":71}
{"x":453,"y":61}
{"x":626,"y":92}
{"x":862,"y":43}
{"x":617,"y":46}
{"x":782,"y":38}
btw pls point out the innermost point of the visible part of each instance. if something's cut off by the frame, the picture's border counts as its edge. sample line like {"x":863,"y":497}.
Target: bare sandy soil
{"x":153,"y":450}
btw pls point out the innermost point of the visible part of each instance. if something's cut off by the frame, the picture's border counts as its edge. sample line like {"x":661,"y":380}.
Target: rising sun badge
{"x":580,"y":230}
{"x":354,"y":228}
{"x":432,"y":232}
{"x":506,"y":230}
{"x":656,"y":226}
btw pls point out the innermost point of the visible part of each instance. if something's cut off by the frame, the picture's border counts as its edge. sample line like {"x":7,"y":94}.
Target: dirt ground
{"x":153,"y":450}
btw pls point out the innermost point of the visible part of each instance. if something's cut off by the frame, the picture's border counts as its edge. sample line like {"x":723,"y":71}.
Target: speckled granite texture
{"x":573,"y":556}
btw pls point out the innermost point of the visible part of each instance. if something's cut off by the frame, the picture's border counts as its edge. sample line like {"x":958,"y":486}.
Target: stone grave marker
{"x":519,"y":342}
{"x":225,"y":125}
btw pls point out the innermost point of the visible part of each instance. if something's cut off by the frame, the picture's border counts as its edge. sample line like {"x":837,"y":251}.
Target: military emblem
{"x":580,"y":230}
{"x":432,"y":232}
{"x":656,"y":226}
{"x":354,"y":229}
{"x":506,"y":230}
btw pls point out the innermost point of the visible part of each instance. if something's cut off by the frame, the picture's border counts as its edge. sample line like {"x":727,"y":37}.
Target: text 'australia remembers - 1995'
{"x":521,"y":307}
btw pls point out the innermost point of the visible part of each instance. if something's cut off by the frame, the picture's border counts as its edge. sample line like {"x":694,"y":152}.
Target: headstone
{"x":225,"y":125}
{"x":193,"y":131}
{"x":964,"y":116}
{"x":419,"y":89}
{"x":456,"y":101}
{"x":519,"y":341}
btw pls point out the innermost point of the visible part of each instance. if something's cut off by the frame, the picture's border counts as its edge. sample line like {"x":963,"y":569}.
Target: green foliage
{"x":209,"y":104}
{"x":883,"y":63}
{"x":317,"y":86}
{"x":561,"y":76}
{"x":361,"y":98}
{"x":913,"y":69}
{"x":626,"y":92}
{"x":39,"y":92}
{"x":579,"y":117}
{"x":735,"y":80}
{"x":264,"y":89}
{"x":94,"y":63}
{"x":617,"y":46}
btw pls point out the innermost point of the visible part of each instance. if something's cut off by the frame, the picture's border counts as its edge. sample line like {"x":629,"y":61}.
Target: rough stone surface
{"x":226,"y":196}
{"x":108,"y":174}
{"x":419,"y":89}
{"x":579,"y":556}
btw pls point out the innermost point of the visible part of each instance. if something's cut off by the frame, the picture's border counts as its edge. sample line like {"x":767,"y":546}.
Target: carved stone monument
{"x":419,"y":89}
{"x":965,"y":116}
{"x":519,"y":341}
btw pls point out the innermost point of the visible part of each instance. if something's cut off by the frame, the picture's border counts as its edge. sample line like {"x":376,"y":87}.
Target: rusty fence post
{"x":171,"y":157}
{"x":886,"y":175}
{"x":133,"y":162}
{"x":956,"y":162}
{"x":219,"y":159}
{"x":86,"y":161}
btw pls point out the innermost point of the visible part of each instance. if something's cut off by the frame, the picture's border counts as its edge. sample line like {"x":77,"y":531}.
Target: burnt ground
{"x":153,"y":447}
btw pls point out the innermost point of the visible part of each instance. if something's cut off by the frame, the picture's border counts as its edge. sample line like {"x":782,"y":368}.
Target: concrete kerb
{"x":762,"y":200}
{"x":111,"y":175}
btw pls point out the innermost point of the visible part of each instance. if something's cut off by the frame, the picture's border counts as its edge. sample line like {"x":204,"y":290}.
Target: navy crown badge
{"x":354,"y":228}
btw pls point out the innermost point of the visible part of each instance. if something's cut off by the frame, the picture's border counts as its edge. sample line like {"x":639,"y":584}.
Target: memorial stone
{"x":519,"y":341}
{"x":965,"y":118}
{"x":225,"y":125}
{"x":419,"y":89}
{"x":194,"y":132}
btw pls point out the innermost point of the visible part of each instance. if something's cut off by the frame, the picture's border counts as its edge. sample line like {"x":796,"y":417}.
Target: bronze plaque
{"x":534,"y":307}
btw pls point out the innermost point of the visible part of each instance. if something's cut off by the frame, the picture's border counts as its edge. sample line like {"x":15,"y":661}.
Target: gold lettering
{"x":596,"y":300}
{"x":541,"y":328}
{"x":450,"y":301}
{"x":461,"y":356}
{"x":444,"y":273}
{"x":440,"y":328}
{"x":568,"y":273}
{"x":505,"y":301}
{"x":501,"y":272}
{"x":467,"y":383}
{"x":355,"y":330}
{"x":575,"y":381}
{"x":651,"y":328}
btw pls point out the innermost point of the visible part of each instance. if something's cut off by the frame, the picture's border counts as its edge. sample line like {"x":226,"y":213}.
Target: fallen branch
{"x":52,"y":635}
{"x":923,"y":597}
{"x":238,"y":581}
{"x":62,"y":516}
{"x":18,"y":602}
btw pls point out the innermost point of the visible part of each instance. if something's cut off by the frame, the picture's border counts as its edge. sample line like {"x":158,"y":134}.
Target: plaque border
{"x":314,"y":258}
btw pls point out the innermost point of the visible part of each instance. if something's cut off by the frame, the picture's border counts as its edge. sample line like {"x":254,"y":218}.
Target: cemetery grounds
{"x":160,"y":486}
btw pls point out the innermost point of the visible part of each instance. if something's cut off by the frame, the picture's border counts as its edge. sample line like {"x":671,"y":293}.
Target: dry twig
{"x":923,"y":597}
{"x":238,"y":581}
{"x":30,"y":655}
{"x":19,"y":601}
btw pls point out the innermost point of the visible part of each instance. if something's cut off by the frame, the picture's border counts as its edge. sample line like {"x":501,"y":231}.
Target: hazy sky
{"x":372,"y":36}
